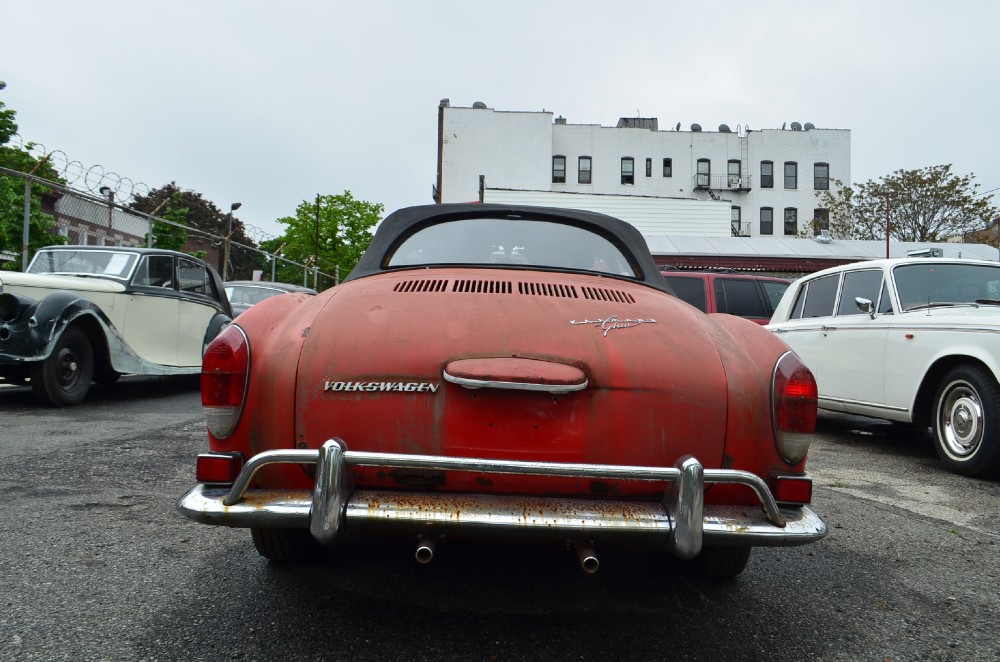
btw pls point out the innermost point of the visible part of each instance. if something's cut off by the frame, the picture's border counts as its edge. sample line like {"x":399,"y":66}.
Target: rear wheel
{"x":64,"y":377}
{"x":966,"y":422}
{"x":721,"y":561}
{"x":285,"y":545}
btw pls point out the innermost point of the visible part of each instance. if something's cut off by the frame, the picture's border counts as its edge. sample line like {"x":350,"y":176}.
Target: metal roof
{"x":794,"y":253}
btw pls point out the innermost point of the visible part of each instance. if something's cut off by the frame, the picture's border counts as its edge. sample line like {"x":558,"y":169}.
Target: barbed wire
{"x":94,"y":178}
{"x":80,"y":177}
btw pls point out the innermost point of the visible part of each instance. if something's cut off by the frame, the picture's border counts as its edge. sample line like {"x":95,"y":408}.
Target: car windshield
{"x":250,"y":294}
{"x":113,"y":264}
{"x":505,"y":242}
{"x":927,"y":285}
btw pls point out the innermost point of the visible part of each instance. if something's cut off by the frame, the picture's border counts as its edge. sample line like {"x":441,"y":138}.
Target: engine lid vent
{"x":421,"y":285}
{"x":604,"y":294}
{"x":475,"y":286}
{"x":547,"y":290}
{"x":482,"y":286}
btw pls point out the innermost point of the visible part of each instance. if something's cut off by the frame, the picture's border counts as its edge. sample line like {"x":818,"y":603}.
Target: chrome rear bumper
{"x":681,"y":521}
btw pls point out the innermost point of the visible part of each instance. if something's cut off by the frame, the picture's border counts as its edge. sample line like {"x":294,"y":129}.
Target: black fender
{"x":31,"y":332}
{"x":215,"y":327}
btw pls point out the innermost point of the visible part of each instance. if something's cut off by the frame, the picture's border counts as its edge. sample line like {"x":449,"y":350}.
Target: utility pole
{"x":888,"y":223}
{"x":26,"y":230}
{"x":229,"y":240}
{"x":316,"y":245}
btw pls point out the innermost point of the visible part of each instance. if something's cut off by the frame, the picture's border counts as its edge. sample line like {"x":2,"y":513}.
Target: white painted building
{"x":743,"y":182}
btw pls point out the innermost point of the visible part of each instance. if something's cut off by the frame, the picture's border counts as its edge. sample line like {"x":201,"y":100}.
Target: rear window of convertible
{"x":500,"y":241}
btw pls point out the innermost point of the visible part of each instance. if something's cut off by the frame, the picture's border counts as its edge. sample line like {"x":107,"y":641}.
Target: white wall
{"x":676,"y":217}
{"x":510,"y":149}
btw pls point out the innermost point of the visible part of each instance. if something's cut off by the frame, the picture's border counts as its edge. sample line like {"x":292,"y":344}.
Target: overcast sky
{"x":270,"y":103}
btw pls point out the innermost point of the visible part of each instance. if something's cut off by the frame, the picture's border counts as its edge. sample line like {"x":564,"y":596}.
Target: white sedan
{"x":915,"y":340}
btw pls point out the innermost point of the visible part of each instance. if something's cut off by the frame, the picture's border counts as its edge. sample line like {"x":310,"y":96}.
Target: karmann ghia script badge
{"x":609,"y":324}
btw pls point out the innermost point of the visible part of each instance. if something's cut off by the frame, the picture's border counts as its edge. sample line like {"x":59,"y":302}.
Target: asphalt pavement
{"x":95,"y":564}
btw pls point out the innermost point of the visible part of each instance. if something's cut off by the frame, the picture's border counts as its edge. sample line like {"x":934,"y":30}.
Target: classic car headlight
{"x":794,"y":397}
{"x":225,"y":372}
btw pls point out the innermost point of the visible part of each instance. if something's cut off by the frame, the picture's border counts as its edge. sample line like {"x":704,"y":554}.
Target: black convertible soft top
{"x":402,"y":223}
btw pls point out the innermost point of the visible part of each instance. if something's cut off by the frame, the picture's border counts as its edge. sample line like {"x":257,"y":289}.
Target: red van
{"x":749,"y":296}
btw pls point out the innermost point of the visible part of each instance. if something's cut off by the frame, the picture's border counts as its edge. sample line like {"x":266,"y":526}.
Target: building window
{"x":821,"y":220}
{"x":583,"y":170}
{"x":821,"y":176}
{"x":734,"y":175}
{"x":791,"y":221}
{"x":628,"y":170}
{"x":767,"y":174}
{"x":766,"y":220}
{"x":704,"y":173}
{"x":736,"y":217}
{"x":558,"y":169}
{"x":81,"y":237}
{"x":668,"y":167}
{"x":791,"y":174}
{"x":649,"y":167}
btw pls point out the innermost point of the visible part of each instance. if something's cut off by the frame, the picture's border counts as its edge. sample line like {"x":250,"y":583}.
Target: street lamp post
{"x":110,"y":195}
{"x":229,"y":239}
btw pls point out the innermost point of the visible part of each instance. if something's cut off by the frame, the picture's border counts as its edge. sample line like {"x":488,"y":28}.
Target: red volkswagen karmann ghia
{"x":493,"y":370}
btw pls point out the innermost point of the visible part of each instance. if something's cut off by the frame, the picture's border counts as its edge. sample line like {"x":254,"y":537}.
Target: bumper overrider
{"x":681,"y":520}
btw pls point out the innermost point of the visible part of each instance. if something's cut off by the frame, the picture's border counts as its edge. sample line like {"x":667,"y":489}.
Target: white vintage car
{"x":92,"y":313}
{"x":915,"y":340}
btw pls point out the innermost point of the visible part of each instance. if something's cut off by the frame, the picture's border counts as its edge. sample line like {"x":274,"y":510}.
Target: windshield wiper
{"x":937,"y":304}
{"x":989,"y":302}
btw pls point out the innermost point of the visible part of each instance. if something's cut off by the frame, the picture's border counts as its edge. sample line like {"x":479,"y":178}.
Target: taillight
{"x":794,"y":397}
{"x":218,"y":468}
{"x":225,"y":371}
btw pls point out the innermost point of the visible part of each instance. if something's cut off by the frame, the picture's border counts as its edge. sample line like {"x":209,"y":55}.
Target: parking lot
{"x":97,"y":565}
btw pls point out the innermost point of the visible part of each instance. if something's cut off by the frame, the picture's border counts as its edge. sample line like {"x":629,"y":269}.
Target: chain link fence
{"x":101,"y":220}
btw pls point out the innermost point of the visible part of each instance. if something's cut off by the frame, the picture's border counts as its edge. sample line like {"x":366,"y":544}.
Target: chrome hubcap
{"x":960,"y":420}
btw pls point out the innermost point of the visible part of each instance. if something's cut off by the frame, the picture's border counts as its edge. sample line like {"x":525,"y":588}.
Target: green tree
{"x":330,"y":232}
{"x":207,"y":227}
{"x":41,"y":226}
{"x":171,"y":234}
{"x":8,"y":124}
{"x":929,"y":204}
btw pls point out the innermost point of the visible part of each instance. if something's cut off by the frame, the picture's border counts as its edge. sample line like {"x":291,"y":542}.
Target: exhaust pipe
{"x":425,"y":548}
{"x":587,"y":557}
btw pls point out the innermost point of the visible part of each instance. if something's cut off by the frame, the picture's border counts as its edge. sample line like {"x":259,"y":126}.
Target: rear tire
{"x":721,"y":561}
{"x":966,"y":422}
{"x":64,"y":378}
{"x":285,"y":545}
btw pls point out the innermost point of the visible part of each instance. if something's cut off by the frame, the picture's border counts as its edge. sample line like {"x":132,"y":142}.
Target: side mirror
{"x":865,"y":306}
